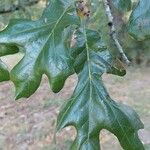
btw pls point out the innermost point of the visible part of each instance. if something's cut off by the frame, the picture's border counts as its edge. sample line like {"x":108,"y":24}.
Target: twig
{"x":113,"y":31}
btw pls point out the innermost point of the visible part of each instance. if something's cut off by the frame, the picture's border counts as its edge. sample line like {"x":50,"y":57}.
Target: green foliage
{"x":8,"y":49}
{"x":122,"y":5}
{"x":48,"y":54}
{"x":91,"y":109}
{"x":4,"y":73}
{"x":46,"y":44}
{"x":25,"y":11}
{"x":139,"y":23}
{"x":137,"y":51}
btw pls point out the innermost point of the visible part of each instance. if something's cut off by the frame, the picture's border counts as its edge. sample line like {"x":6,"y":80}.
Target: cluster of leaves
{"x":46,"y":47}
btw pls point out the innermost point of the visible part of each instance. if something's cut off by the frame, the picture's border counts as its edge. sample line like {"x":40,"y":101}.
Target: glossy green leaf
{"x":44,"y":46}
{"x":4,"y":73}
{"x":139,"y":22}
{"x":8,"y":50}
{"x":91,"y":109}
{"x":122,"y":5}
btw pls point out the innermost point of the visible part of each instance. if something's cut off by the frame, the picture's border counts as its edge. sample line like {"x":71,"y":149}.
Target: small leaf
{"x":91,"y":109}
{"x":139,"y":22}
{"x":45,"y":48}
{"x":4,"y":73}
{"x":122,"y":5}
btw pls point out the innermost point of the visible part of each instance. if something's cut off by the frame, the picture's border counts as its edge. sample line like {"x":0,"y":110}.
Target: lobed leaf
{"x":47,"y":51}
{"x":139,"y":22}
{"x":91,"y":109}
{"x":45,"y":48}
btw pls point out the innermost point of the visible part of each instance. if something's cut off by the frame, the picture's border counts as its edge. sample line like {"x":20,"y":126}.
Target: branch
{"x":113,"y":32}
{"x":18,"y":7}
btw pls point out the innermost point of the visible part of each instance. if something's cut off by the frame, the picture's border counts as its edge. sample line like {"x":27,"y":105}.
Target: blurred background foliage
{"x":138,"y":52}
{"x":30,"y":9}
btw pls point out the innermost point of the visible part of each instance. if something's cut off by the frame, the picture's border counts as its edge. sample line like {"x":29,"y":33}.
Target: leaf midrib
{"x":89,"y":73}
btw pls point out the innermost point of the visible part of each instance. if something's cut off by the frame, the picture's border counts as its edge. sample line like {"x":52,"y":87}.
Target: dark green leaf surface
{"x":122,"y":5}
{"x":91,"y":109}
{"x":139,"y":22}
{"x":8,"y":49}
{"x":4,"y":73}
{"x":44,"y":46}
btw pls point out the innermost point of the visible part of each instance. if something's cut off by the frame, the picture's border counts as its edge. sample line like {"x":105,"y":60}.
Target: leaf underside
{"x":90,"y":109}
{"x":139,"y":22}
